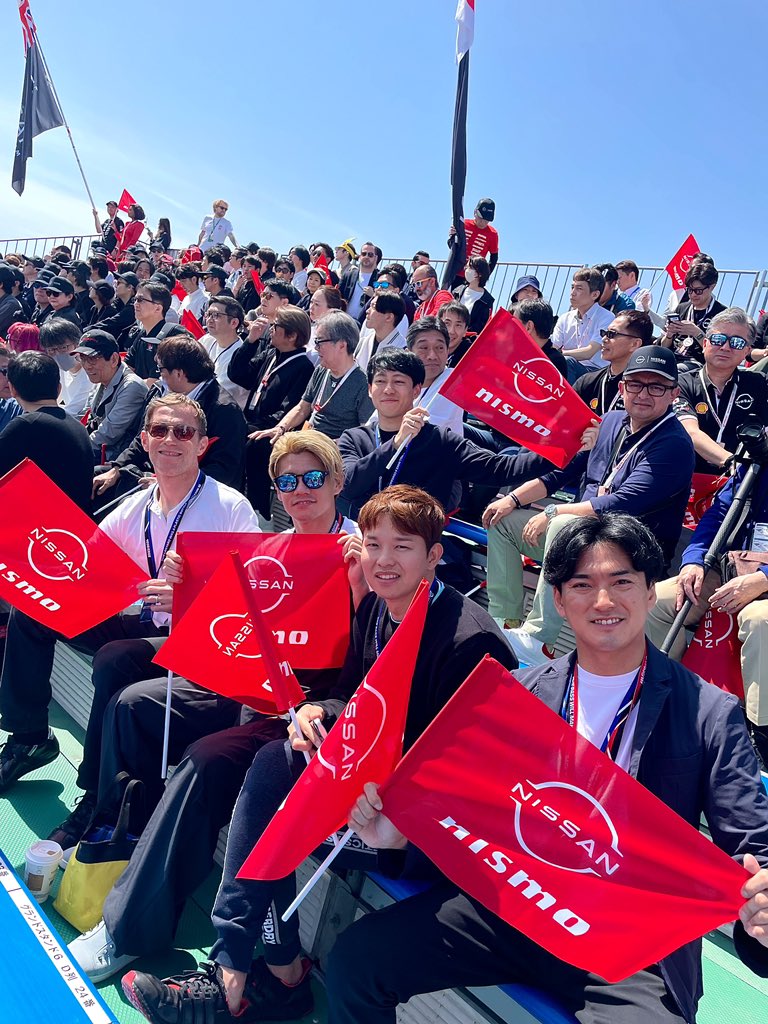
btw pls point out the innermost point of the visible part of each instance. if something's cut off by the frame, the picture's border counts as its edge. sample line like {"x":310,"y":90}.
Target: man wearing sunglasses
{"x":117,"y":395}
{"x":718,"y":398}
{"x":685,"y":332}
{"x":600,"y":388}
{"x":641,"y":464}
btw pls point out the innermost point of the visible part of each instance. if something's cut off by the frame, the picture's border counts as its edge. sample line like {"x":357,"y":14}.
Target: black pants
{"x":258,"y":486}
{"x":245,"y":909}
{"x":175,"y":851}
{"x":443,"y":939}
{"x":123,"y":649}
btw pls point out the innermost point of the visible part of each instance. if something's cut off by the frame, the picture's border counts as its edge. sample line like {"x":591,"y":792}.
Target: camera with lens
{"x":753,"y":444}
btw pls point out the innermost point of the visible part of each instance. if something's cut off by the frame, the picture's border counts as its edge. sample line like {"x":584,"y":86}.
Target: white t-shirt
{"x":216,"y":231}
{"x":217,"y":509}
{"x":75,"y":388}
{"x":599,"y":700}
{"x":194,"y":302}
{"x":442,"y":411}
{"x":221,"y":357}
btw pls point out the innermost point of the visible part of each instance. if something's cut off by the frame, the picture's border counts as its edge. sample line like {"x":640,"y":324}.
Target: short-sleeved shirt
{"x":480,"y":241}
{"x":338,"y":403}
{"x":216,"y":230}
{"x":600,"y":391}
{"x":719,"y":415}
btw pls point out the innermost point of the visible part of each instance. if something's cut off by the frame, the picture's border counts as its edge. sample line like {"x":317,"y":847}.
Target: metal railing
{"x":42,"y":246}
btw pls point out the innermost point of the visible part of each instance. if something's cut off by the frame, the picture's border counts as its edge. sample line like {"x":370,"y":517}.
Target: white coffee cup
{"x":42,"y":860}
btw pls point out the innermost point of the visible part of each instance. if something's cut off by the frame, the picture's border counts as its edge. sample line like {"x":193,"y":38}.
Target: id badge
{"x":759,"y":537}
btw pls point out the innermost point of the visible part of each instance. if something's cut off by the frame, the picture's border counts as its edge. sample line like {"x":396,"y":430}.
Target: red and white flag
{"x":300,"y":583}
{"x":192,"y":324}
{"x":56,"y":565}
{"x":364,"y":745}
{"x":126,"y":201}
{"x":547,"y":832}
{"x":704,"y":488}
{"x":321,"y":263}
{"x":680,"y":263}
{"x":465,"y":31}
{"x":715,"y":652}
{"x":221,"y":644}
{"x":506,"y":381}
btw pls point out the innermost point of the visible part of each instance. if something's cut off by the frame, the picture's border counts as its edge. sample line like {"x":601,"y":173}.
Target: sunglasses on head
{"x":735,"y":342}
{"x":162,"y":430}
{"x":313,"y":480}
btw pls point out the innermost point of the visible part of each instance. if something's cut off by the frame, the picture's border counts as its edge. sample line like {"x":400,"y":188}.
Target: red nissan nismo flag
{"x":299,"y":580}
{"x":680,"y":263}
{"x":507,"y":383}
{"x":192,"y":324}
{"x":126,"y":201}
{"x":547,"y":832}
{"x":56,"y":565}
{"x":364,"y":745}
{"x":704,"y":487}
{"x":216,"y":645}
{"x":715,"y":652}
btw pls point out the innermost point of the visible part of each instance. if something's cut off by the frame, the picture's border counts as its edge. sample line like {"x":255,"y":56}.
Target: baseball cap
{"x":77,"y":265}
{"x":97,"y":343}
{"x":44,"y":278}
{"x":317,"y":270}
{"x":157,"y":247}
{"x":526,"y":282}
{"x":218,"y":272}
{"x":37,"y":261}
{"x":486,"y":208}
{"x":164,"y":279}
{"x":653,"y":359}
{"x":61,"y":284}
{"x":129,"y":277}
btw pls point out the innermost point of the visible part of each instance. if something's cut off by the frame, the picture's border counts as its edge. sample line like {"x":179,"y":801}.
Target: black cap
{"x":77,"y":265}
{"x":61,"y":284}
{"x":218,"y":272}
{"x":165,"y":279}
{"x":97,"y":343}
{"x":486,"y":208}
{"x":36,"y":261}
{"x":157,"y":247}
{"x":44,"y":278}
{"x":653,"y":359}
{"x":129,"y":277}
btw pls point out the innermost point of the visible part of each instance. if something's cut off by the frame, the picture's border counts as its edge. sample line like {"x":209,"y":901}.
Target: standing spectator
{"x":474,"y":295}
{"x":577,"y":332}
{"x":11,"y":309}
{"x":431,"y":297}
{"x":482,"y":239}
{"x":613,"y":298}
{"x":117,"y":397}
{"x":356,"y":283}
{"x":134,"y":228}
{"x":111,"y":229}
{"x":299,"y":256}
{"x":61,"y":295}
{"x":162,"y":236}
{"x":216,"y":229}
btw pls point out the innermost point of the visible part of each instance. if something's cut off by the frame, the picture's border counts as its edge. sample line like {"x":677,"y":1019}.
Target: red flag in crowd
{"x":506,"y":382}
{"x":547,"y":832}
{"x":300,"y":582}
{"x":192,"y":324}
{"x":179,"y":292}
{"x":193,"y":253}
{"x":680,"y":263}
{"x":322,"y":264}
{"x":715,"y":652}
{"x":258,"y":284}
{"x":216,"y":644}
{"x":704,"y":487}
{"x":126,"y":201}
{"x":364,"y":745}
{"x":56,"y":565}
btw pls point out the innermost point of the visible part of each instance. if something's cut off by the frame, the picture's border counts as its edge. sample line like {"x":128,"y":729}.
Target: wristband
{"x":515,"y":498}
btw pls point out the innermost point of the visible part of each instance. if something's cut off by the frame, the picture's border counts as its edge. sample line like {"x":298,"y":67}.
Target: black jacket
{"x":347,"y":282}
{"x":288,"y":379}
{"x":482,"y":309}
{"x":692,"y":751}
{"x":120,"y":324}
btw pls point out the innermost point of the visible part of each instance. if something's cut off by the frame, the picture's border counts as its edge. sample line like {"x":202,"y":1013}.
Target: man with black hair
{"x":120,"y":324}
{"x":60,"y":338}
{"x":455,"y":316}
{"x":215,"y":283}
{"x":383,"y":317}
{"x":110,"y":229}
{"x":686,"y":332}
{"x":299,"y":256}
{"x":627,"y":280}
{"x":266,"y":258}
{"x":9,"y":407}
{"x":577,"y":332}
{"x":683,"y":739}
{"x":599,"y":389}
{"x":537,"y":318}
{"x":79,"y":273}
{"x":612,"y":298}
{"x":195,"y":299}
{"x":151,"y":304}
{"x":641,"y":463}
{"x":431,"y":457}
{"x":11,"y":309}
{"x":428,"y":340}
{"x":223,"y":319}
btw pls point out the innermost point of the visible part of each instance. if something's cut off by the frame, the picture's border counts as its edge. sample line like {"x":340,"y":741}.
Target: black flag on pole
{"x":40,"y":110}
{"x":465,"y":17}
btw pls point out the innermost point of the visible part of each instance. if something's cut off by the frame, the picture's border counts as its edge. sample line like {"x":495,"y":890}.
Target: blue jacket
{"x":715,"y":514}
{"x":653,"y":484}
{"x":690,"y":749}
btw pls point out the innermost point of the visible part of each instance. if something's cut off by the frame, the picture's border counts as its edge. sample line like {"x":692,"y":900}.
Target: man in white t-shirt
{"x":428,"y":339}
{"x":577,"y":332}
{"x":216,"y":229}
{"x":195,"y":299}
{"x":223,"y":319}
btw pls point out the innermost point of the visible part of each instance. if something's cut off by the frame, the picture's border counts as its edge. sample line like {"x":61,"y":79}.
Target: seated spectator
{"x":43,"y":306}
{"x":275,"y":296}
{"x":116,"y":399}
{"x":718,"y":398}
{"x":102,"y":296}
{"x":403,"y":526}
{"x":316,"y":278}
{"x":11,"y":309}
{"x":59,"y":338}
{"x":284,"y":270}
{"x":337,"y":394}
{"x":428,"y":340}
{"x":236,"y":277}
{"x":686,"y":328}
{"x":299,"y":257}
{"x":143,"y":269}
{"x":577,"y":332}
{"x":383,"y":323}
{"x":275,"y":374}
{"x":420,"y":259}
{"x":474,"y":295}
{"x":223,"y":320}
{"x":265,"y":263}
{"x":627,"y":280}
{"x":444,"y":938}
{"x":152,"y":302}
{"x":195,"y":299}
{"x":431,"y":297}
{"x":431,"y":457}
{"x":600,"y":388}
{"x":612,"y":298}
{"x":323,"y":300}
{"x":31,"y":265}
{"x":9,"y":407}
{"x":393,"y":278}
{"x":23,"y":338}
{"x":345,"y":255}
{"x":641,"y":464}
{"x":100,"y":269}
{"x":527,"y":287}
{"x":187,"y":369}
{"x":119,"y":325}
{"x":215,"y":283}
{"x":455,"y":316}
{"x":248,"y":295}
{"x":79,"y":273}
{"x":537,"y":318}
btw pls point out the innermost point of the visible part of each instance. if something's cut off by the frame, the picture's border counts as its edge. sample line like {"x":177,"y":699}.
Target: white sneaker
{"x":527,"y":648}
{"x":95,"y":953}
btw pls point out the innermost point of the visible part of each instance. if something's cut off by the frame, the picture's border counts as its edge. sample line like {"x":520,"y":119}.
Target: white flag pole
{"x":167,"y":726}
{"x":409,"y":438}
{"x":309,"y":886}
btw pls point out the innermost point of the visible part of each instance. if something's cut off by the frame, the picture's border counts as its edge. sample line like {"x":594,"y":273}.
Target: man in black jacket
{"x":11,"y":309}
{"x":152,"y":302}
{"x":684,"y":741}
{"x":356,"y":283}
{"x":119,"y":325}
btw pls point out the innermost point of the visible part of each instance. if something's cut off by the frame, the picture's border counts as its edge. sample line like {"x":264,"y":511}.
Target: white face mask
{"x":470,"y":275}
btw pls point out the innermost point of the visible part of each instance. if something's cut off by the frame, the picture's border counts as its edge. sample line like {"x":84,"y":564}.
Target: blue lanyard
{"x":148,"y":545}
{"x":613,"y":738}
{"x":435,"y":590}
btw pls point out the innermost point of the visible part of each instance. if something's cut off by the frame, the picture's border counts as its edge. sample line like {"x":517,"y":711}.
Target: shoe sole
{"x":135,"y":999}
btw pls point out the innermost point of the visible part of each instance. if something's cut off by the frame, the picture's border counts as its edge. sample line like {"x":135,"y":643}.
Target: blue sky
{"x":602,"y":132}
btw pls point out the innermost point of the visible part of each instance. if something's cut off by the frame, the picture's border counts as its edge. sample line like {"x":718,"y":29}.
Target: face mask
{"x":65,"y":362}
{"x":470,"y":275}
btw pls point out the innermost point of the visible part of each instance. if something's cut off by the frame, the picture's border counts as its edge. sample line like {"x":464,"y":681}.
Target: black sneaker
{"x":199,"y":996}
{"x":70,"y":832}
{"x":19,"y":759}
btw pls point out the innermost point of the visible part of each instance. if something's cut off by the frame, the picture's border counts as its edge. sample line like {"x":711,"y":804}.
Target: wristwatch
{"x":550,"y":511}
